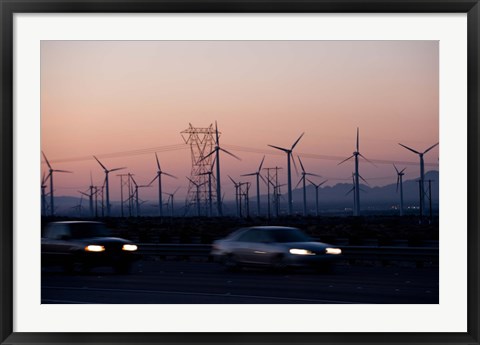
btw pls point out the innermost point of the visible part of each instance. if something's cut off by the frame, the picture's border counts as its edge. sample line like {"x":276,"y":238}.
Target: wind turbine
{"x":90,"y":196}
{"x":159,"y":176}
{"x":44,"y":195}
{"x":197,"y":185}
{"x":422,"y":174}
{"x":316,"y":193}
{"x":400,"y":183}
{"x":257,"y":174}
{"x":356,"y":211}
{"x":106,"y":183}
{"x":302,"y":179}
{"x":237,"y":186}
{"x":136,"y":193}
{"x":170,"y":198}
{"x":50,"y":175}
{"x":289,"y":156}
{"x":210,"y":198}
{"x":217,"y":150}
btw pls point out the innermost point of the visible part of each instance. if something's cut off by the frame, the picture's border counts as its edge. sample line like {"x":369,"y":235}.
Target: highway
{"x":200,"y":282}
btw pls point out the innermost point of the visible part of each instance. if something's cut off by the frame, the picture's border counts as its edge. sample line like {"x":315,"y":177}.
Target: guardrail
{"x":351,"y":254}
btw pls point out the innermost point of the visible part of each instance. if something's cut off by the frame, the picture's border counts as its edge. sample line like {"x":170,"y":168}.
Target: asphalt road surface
{"x":176,"y":282}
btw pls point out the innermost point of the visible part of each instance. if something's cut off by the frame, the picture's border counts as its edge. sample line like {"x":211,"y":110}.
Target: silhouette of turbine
{"x":107,"y":189}
{"x":302,"y":179}
{"x":422,"y":175}
{"x":50,"y":175}
{"x":357,"y":177}
{"x":289,"y":174}
{"x":257,"y":174}
{"x":217,"y":150}
{"x":400,"y":183}
{"x":159,"y":177}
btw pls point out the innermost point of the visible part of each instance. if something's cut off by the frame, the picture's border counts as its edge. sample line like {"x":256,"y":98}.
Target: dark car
{"x":81,"y":245}
{"x":273,"y":246}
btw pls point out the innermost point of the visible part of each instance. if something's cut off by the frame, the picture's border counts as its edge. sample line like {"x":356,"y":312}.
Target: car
{"x":82,"y":245}
{"x":275,"y":247}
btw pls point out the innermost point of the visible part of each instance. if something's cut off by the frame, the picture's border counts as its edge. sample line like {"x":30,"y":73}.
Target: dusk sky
{"x":112,"y":98}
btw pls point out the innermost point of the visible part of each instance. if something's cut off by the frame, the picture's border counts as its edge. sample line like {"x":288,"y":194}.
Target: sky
{"x":122,"y":101}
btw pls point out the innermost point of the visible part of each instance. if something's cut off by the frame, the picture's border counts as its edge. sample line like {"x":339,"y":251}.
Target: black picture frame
{"x":9,"y":7}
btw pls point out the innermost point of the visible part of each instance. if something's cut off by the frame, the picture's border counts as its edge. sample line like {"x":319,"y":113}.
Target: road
{"x":177,"y":282}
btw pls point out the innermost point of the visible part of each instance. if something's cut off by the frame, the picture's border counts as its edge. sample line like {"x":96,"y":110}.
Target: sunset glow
{"x":122,"y":101}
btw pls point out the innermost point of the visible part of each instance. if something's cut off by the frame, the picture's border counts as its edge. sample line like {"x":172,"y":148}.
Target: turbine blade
{"x":117,"y":169}
{"x":398,"y":182}
{"x":357,"y":140}
{"x":301,"y":164}
{"x":216,"y":132}
{"x":279,"y":148}
{"x":176,"y":190}
{"x":231,"y":154}
{"x":346,"y":159}
{"x":296,"y":142}
{"x":103,"y":166}
{"x":263,"y":179}
{"x":153,"y":180}
{"x":301,"y":179}
{"x":91,"y":179}
{"x":312,"y":174}
{"x":314,"y":184}
{"x":205,"y":157}
{"x":294,"y":164}
{"x":431,"y":147}
{"x":231,"y":179}
{"x":351,"y":190}
{"x":252,"y":174}
{"x":261,"y":163}
{"x":322,"y":183}
{"x":402,"y":170}
{"x":396,"y":168}
{"x":158,"y":163}
{"x":408,"y":148}
{"x":369,"y":161}
{"x":170,"y":175}
{"x":46,"y":160}
{"x":64,"y":171}
{"x":362,"y":179}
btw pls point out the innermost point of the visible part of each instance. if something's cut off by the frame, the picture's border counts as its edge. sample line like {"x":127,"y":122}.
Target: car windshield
{"x":288,"y":235}
{"x":86,"y":230}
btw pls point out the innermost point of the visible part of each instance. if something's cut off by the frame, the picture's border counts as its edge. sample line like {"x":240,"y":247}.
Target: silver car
{"x":273,"y":246}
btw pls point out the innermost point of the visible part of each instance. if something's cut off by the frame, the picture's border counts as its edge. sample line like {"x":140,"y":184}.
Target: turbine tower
{"x":422,"y":175}
{"x":198,"y":194}
{"x":44,"y":195}
{"x":289,"y":158}
{"x":257,"y":174}
{"x":316,"y":194}
{"x":159,"y":176}
{"x":106,"y":183}
{"x":357,"y":177}
{"x":170,"y":199}
{"x":237,"y":186}
{"x":50,"y":175}
{"x":302,"y":179}
{"x":217,"y":150}
{"x":400,"y":183}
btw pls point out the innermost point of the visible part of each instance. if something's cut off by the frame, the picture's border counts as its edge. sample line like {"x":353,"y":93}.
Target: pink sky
{"x":102,"y":97}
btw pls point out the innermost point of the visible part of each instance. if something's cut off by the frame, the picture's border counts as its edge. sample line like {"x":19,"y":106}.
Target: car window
{"x":87,"y":230}
{"x":57,"y":232}
{"x":254,"y":235}
{"x":289,"y":235}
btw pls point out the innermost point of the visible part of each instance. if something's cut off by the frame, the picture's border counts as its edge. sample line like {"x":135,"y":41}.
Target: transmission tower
{"x":202,"y":142}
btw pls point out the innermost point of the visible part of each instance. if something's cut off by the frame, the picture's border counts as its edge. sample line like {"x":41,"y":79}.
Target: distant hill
{"x":331,"y":198}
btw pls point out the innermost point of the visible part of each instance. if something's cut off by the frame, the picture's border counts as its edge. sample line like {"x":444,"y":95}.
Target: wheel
{"x":122,"y":268}
{"x":231,"y":263}
{"x":278,"y":263}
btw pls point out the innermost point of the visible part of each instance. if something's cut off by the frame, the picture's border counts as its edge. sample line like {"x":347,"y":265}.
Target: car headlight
{"x":301,"y":252}
{"x":334,"y":251}
{"x":129,"y":247}
{"x":94,"y":248}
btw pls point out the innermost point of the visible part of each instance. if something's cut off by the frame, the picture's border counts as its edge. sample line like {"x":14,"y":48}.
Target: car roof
{"x":272,"y":227}
{"x":76,"y":222}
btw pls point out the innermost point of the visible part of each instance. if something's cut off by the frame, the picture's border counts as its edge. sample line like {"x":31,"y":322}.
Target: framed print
{"x":196,"y":183}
